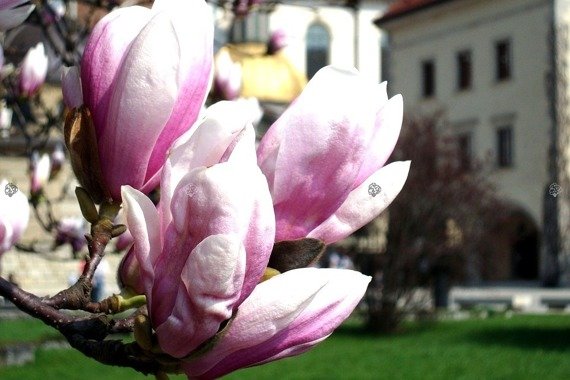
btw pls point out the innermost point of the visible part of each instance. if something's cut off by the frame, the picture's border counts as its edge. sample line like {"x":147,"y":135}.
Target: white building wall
{"x":475,"y":25}
{"x":364,"y":53}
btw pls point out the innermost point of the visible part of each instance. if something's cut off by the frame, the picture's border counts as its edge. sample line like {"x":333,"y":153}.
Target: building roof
{"x":401,"y":8}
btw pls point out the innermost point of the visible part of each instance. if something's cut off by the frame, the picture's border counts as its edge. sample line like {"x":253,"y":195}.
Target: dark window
{"x":464,"y":70}
{"x":503,"y":60}
{"x":318,"y":46}
{"x":252,"y":28}
{"x":428,"y":79}
{"x":505,"y":147}
{"x":464,"y":150}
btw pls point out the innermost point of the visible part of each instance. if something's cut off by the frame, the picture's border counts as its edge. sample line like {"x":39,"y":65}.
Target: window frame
{"x":505,"y":140}
{"x":503,"y":50}
{"x":428,"y":78}
{"x":464,"y":70}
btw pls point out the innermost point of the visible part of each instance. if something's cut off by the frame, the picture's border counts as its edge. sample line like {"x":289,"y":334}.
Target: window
{"x":505,"y":147}
{"x":428,"y":79}
{"x":503,"y":60}
{"x":252,"y":28}
{"x":464,"y":70}
{"x":318,"y":46}
{"x":464,"y":150}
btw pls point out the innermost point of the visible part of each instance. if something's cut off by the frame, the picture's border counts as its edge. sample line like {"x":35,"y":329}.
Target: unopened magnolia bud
{"x":81,"y":142}
{"x":294,"y":254}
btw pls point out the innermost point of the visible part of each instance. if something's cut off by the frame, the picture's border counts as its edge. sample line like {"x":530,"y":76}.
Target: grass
{"x":24,"y":330}
{"x":523,"y":347}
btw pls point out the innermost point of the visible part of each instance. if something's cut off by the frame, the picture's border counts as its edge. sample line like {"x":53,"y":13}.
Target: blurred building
{"x":499,"y":72}
{"x":319,"y":33}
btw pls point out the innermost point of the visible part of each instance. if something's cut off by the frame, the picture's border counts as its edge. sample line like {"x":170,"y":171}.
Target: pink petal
{"x":104,"y":53}
{"x":195,"y":69}
{"x":144,"y":224}
{"x":137,"y":113}
{"x":211,"y":283}
{"x":361,"y":207}
{"x":71,"y":87}
{"x":388,"y":124}
{"x":312,"y":154}
{"x":210,"y":139}
{"x":283,"y":316}
{"x":14,"y":217}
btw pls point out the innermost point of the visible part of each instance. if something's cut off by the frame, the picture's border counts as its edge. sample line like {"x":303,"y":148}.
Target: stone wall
{"x":47,"y":272}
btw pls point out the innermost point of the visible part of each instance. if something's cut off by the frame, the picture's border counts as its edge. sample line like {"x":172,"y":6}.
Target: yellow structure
{"x":269,"y":78}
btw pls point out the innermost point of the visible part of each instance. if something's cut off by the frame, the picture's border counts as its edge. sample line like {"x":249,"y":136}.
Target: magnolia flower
{"x":57,"y":159}
{"x":40,"y":172}
{"x":278,"y":41}
{"x":5,"y":120}
{"x":284,"y":316}
{"x":205,"y":249}
{"x":13,"y":13}
{"x":71,"y":231}
{"x":144,"y":78}
{"x":227,"y":77}
{"x":33,"y":70}
{"x":14,"y":215}
{"x":324,"y":157}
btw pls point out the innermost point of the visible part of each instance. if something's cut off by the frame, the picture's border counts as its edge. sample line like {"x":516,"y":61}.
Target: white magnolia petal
{"x":364,"y":203}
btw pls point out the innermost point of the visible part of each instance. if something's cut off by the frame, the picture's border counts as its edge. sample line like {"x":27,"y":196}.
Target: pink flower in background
{"x":5,"y":120}
{"x":40,"y":172}
{"x":144,"y":75}
{"x":14,"y":215}
{"x":284,"y":316}
{"x":227,"y":76}
{"x":243,"y":7}
{"x":33,"y":70}
{"x":324,"y":157}
{"x":206,"y":247}
{"x":57,"y":158}
{"x":71,"y":231}
{"x":278,"y":41}
{"x":14,"y":12}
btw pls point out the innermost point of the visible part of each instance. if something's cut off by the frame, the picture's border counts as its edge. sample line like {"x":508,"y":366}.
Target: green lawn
{"x":523,"y":347}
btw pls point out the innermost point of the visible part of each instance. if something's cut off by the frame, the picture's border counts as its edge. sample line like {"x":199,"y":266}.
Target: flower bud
{"x":33,"y":71}
{"x":144,"y":75}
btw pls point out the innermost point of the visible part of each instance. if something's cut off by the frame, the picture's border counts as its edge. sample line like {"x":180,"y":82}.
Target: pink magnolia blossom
{"x":40,"y":172}
{"x":14,"y":12}
{"x":284,"y":316}
{"x":227,"y":77}
{"x":33,"y":70}
{"x":324,"y":157}
{"x":14,"y":215}
{"x":205,"y":249}
{"x":5,"y":120}
{"x":278,"y":40}
{"x":144,"y":75}
{"x":57,"y":158}
{"x":243,"y":7}
{"x":71,"y":230}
